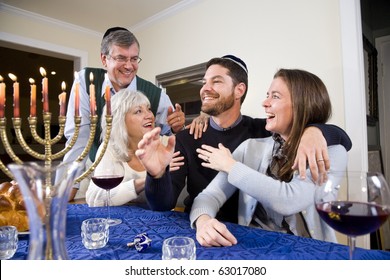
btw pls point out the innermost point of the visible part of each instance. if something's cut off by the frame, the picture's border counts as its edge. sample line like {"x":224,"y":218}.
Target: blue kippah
{"x":236,"y":60}
{"x":112,"y":29}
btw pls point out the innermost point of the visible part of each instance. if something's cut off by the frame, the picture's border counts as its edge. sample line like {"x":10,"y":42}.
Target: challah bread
{"x":12,"y":208}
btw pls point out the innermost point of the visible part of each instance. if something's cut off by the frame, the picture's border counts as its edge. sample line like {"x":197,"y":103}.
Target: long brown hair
{"x":310,"y":104}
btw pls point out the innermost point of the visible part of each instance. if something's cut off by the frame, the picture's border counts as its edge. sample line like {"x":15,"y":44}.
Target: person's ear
{"x":239,"y":90}
{"x":103,"y":58}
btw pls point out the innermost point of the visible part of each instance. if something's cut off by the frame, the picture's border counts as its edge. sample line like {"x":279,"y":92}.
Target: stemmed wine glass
{"x":353,"y":203}
{"x":108,"y":178}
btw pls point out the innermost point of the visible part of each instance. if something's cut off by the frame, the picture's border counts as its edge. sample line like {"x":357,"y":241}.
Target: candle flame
{"x":43,"y":71}
{"x":91,"y":77}
{"x":63,"y":86}
{"x":76,"y":75}
{"x":1,"y":78}
{"x":12,"y":77}
{"x":31,"y":80}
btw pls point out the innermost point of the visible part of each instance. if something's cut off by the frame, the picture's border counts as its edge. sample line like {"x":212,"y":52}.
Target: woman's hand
{"x":211,"y":232}
{"x":219,"y":159}
{"x":154,"y":156}
{"x":199,"y":125}
{"x":176,"y":162}
{"x":313,"y":150}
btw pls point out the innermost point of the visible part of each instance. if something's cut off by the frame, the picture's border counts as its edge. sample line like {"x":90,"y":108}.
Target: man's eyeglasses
{"x":122,"y":59}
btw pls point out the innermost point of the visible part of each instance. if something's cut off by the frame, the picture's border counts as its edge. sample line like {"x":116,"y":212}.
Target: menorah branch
{"x":99,"y":158}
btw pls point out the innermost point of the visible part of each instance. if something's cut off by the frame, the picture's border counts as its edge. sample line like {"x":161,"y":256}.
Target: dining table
{"x":252,"y":243}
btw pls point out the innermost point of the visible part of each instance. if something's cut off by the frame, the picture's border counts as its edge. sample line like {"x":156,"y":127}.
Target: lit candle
{"x":2,"y":97}
{"x":107,"y":96}
{"x":92,"y":98}
{"x":62,"y":98}
{"x":16,"y":95}
{"x":76,"y":95}
{"x":33,"y":98}
{"x":45,"y":93}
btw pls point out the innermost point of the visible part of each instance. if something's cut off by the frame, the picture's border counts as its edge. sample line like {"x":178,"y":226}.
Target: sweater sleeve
{"x":285,"y":198}
{"x":159,"y":192}
{"x":334,"y":135}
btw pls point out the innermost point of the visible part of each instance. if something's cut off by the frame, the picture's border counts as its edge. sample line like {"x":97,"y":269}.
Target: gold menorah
{"x":47,"y":141}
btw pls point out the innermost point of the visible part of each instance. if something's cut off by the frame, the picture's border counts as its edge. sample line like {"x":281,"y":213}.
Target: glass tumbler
{"x":8,"y":242}
{"x":179,"y":248}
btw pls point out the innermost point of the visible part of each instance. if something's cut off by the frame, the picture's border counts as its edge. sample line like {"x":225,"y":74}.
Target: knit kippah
{"x":236,"y":60}
{"x":112,"y":29}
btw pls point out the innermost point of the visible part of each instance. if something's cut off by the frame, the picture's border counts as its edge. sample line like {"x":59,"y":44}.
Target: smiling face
{"x":218,"y":93}
{"x":139,"y":120}
{"x":278,"y":108}
{"x":121,"y":73}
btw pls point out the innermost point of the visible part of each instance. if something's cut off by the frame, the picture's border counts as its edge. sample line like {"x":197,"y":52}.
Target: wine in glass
{"x":109,"y":178}
{"x":353,"y":203}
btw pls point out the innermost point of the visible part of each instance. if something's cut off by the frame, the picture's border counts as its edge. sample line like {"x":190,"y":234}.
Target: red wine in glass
{"x":353,"y":218}
{"x":354,"y":203}
{"x":108,"y":182}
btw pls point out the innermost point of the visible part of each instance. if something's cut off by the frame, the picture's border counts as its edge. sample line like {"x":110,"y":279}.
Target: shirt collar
{"x":217,"y":127}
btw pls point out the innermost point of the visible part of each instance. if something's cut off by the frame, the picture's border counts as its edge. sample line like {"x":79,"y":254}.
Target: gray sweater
{"x":279,"y":199}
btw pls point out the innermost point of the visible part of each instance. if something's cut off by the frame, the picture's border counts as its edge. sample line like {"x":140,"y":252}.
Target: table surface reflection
{"x":252,"y":244}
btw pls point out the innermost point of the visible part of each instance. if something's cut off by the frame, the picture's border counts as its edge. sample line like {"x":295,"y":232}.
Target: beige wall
{"x":52,"y":35}
{"x":267,"y":35}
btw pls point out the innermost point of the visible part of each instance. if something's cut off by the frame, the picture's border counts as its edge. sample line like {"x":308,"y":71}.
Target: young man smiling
{"x":225,"y":85}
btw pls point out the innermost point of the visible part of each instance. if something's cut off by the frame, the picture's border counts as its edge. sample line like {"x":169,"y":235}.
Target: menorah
{"x":46,"y":184}
{"x":47,"y":141}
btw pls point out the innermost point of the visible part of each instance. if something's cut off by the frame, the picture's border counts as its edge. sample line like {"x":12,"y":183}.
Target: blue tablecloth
{"x":252,"y":244}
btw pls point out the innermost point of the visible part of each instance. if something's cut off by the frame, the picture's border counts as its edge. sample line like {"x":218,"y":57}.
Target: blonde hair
{"x":122,"y":103}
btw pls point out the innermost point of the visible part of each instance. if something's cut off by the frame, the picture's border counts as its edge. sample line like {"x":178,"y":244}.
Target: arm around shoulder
{"x":334,"y":135}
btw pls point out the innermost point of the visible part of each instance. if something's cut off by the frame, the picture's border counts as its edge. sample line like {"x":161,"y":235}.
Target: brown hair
{"x":236,"y":70}
{"x":310,"y":104}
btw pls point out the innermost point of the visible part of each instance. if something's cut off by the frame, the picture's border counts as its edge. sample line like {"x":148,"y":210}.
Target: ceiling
{"x":83,"y":13}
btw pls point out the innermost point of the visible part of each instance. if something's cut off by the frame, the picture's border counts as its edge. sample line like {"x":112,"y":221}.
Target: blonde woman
{"x":132,"y":118}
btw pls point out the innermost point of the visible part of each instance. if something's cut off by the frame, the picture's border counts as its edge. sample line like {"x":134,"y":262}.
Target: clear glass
{"x":353,"y":203}
{"x":108,"y":178}
{"x":8,"y":242}
{"x":45,"y":189}
{"x":179,"y":248}
{"x":95,"y":233}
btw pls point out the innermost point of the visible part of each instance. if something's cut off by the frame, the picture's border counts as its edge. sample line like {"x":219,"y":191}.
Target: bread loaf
{"x":12,"y":208}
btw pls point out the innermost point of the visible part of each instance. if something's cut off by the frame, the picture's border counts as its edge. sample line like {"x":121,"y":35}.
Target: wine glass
{"x":108,"y":178}
{"x":353,"y":203}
